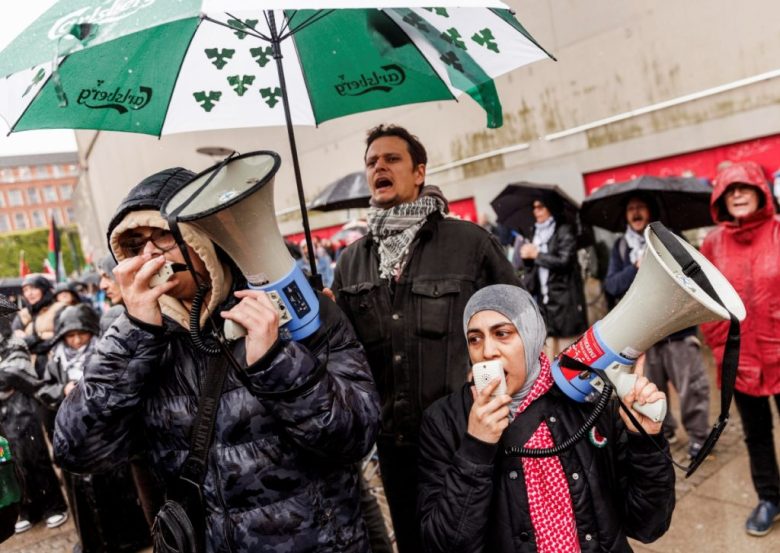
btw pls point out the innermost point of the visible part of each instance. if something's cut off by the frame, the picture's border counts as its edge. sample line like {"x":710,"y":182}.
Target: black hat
{"x":150,"y":193}
{"x":65,"y":287}
{"x":38,"y":281}
{"x":77,"y":317}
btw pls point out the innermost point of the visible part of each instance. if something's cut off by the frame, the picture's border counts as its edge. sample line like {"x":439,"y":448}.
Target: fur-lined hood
{"x":219,"y":272}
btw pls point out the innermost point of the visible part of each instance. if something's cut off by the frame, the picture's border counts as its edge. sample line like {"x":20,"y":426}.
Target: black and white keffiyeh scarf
{"x":72,"y":360}
{"x":394,"y":229}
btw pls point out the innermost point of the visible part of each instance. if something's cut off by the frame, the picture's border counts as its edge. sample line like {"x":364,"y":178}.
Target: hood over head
{"x":106,"y":266}
{"x":77,"y":317}
{"x":744,"y":172}
{"x":45,"y":286}
{"x":518,"y":306}
{"x":141,"y":208}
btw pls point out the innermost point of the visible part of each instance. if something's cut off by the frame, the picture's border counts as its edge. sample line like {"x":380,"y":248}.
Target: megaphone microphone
{"x":660,"y":301}
{"x":233,"y":204}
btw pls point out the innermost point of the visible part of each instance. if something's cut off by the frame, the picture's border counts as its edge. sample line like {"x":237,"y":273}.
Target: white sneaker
{"x":22,"y":525}
{"x":56,"y":520}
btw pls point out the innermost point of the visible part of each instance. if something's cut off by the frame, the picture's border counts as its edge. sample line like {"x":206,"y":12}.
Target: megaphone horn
{"x":233,"y":204}
{"x":660,"y":301}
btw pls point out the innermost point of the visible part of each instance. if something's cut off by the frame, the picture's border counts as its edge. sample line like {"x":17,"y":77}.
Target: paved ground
{"x":711,"y":505}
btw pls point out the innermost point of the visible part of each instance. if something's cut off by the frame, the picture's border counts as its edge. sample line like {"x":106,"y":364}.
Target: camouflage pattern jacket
{"x":281,"y":474}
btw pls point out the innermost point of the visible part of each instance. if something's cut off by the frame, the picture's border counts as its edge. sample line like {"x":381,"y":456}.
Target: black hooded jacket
{"x":280,"y":473}
{"x":473,"y":499}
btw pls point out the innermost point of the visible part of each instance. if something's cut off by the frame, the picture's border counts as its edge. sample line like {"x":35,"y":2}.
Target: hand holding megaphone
{"x":625,"y":383}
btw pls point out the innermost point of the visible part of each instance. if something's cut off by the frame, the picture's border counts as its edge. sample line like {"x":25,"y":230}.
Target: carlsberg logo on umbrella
{"x":120,"y":100}
{"x":119,"y":9}
{"x":392,"y":77}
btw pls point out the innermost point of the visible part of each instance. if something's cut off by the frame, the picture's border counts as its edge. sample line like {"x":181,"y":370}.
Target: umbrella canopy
{"x":7,"y":307}
{"x":680,"y":203}
{"x":192,"y":65}
{"x":350,"y":191}
{"x":514,"y":205}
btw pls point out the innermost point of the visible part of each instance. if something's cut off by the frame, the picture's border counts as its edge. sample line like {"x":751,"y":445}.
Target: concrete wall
{"x":614,"y":57}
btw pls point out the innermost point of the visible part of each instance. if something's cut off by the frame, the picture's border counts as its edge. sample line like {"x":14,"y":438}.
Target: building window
{"x":20,"y":221}
{"x":32,"y":196}
{"x":5,"y":224}
{"x":2,"y":199}
{"x":71,"y":214}
{"x":7,"y":175}
{"x":15,"y":197}
{"x":49,"y":194}
{"x":38,"y":220}
{"x":66,"y":191}
{"x":72,"y":170}
{"x":41,"y":171}
{"x":24,"y":173}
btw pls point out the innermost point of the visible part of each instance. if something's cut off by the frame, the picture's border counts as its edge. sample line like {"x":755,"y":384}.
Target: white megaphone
{"x":233,"y":204}
{"x":660,"y":301}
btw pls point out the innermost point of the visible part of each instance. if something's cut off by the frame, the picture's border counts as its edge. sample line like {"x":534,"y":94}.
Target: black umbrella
{"x":514,"y":205}
{"x":7,"y":307}
{"x":680,"y":203}
{"x":348,"y":192}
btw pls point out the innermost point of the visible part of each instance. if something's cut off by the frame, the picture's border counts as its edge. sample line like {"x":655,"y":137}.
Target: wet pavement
{"x":710,"y":515}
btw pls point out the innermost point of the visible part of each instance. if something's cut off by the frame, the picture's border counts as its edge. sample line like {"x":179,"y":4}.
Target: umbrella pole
{"x":316,"y":278}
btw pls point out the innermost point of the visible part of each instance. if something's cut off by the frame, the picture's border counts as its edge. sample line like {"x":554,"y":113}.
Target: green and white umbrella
{"x":162,"y":66}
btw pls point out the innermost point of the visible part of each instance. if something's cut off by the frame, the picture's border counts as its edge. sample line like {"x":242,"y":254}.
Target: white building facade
{"x":635,"y":84}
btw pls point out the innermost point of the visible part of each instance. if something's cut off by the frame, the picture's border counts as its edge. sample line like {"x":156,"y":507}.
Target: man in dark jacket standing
{"x":292,"y":419}
{"x":403,"y":287}
{"x":676,"y":358}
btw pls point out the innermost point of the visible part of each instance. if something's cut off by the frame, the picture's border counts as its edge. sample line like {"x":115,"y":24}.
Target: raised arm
{"x":323,"y":390}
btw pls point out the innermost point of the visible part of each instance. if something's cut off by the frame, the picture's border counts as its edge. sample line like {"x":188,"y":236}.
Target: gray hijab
{"x":518,"y":306}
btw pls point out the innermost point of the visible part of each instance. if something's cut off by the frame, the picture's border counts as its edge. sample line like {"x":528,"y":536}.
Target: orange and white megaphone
{"x":660,"y":301}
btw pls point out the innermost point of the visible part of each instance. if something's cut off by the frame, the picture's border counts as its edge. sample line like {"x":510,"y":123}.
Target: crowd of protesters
{"x":409,"y":305}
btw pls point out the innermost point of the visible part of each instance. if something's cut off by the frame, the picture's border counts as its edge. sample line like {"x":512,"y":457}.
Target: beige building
{"x":34,"y":188}
{"x":634,"y":82}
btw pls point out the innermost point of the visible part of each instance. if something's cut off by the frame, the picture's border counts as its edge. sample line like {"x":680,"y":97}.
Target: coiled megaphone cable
{"x":571,"y":441}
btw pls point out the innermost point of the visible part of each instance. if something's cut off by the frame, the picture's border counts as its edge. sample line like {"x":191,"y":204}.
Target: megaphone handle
{"x":232,"y":330}
{"x":624,"y":383}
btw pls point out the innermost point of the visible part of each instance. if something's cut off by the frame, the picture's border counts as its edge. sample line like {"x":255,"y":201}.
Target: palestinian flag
{"x":55,"y":258}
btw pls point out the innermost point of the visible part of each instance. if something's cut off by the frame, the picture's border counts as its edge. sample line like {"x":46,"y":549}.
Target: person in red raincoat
{"x":745,"y":248}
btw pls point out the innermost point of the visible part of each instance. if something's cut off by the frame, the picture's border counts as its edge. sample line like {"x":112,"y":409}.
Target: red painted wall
{"x":703,"y":164}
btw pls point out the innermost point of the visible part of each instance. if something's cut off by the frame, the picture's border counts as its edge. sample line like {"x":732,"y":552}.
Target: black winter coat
{"x":281,"y":473}
{"x":565,"y":312}
{"x":413,"y":329}
{"x":472,"y":498}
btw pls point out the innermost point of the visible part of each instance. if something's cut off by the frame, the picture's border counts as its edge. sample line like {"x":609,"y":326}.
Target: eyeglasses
{"x":134,"y":244}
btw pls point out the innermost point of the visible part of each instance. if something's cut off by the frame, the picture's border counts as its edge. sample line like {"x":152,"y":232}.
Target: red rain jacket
{"x":747,"y":252}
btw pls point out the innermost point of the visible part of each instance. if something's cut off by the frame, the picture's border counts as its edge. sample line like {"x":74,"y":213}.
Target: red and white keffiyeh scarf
{"x":549,"y":501}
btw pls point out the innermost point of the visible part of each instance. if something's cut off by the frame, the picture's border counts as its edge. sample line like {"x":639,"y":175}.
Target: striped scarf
{"x":394,"y":230}
{"x":549,"y":500}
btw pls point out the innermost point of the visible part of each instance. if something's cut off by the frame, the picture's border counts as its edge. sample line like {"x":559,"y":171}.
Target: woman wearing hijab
{"x":744,"y":248}
{"x":474,"y":498}
{"x":552,"y":274}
